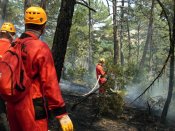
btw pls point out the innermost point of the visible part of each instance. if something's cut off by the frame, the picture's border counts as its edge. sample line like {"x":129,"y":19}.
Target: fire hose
{"x":92,"y":90}
{"x":85,"y":96}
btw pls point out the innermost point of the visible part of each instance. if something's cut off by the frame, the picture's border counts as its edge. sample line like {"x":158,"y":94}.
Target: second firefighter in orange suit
{"x":6,"y":36}
{"x":7,"y":33}
{"x":101,"y":73}
{"x":31,"y":113}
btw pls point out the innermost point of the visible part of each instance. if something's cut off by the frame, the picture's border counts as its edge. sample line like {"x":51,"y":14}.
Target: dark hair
{"x":34,"y":27}
{"x":6,"y":34}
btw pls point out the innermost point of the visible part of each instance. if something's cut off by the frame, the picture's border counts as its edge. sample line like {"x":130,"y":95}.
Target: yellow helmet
{"x":7,"y":26}
{"x":35,"y":15}
{"x":102,"y":60}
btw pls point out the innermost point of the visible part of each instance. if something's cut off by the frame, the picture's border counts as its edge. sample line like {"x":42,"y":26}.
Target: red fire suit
{"x":100,"y":72}
{"x":4,"y":45}
{"x":31,"y":113}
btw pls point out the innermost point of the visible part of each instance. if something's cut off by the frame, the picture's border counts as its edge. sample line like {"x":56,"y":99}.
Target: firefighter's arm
{"x":51,"y":90}
{"x":103,"y":73}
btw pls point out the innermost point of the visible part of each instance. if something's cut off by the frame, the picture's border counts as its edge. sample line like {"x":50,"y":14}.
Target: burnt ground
{"x":85,"y":117}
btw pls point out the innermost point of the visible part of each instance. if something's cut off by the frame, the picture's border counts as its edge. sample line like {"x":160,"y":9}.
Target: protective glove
{"x":66,"y":123}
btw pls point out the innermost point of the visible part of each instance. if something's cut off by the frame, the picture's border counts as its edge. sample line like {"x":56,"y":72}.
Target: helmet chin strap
{"x":42,"y":30}
{"x":39,"y":35}
{"x":12,"y":37}
{"x":9,"y":36}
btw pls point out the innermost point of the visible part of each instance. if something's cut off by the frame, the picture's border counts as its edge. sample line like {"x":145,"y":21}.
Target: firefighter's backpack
{"x":14,"y":82}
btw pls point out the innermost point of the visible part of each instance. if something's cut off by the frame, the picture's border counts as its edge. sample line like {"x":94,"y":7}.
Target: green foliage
{"x":134,"y":74}
{"x":111,"y":104}
{"x":77,"y":54}
{"x":76,"y":74}
{"x":116,"y":72}
{"x":124,"y":75}
{"x":79,"y":46}
{"x":15,"y":14}
{"x":112,"y":100}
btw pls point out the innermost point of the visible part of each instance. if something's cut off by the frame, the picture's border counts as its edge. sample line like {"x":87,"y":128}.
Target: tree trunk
{"x":138,"y":41}
{"x":121,"y":34}
{"x":3,"y":7}
{"x":116,"y":47}
{"x":90,"y":41}
{"x":27,"y":3}
{"x":43,"y":4}
{"x":171,"y":84}
{"x":171,"y":79}
{"x":149,"y":36}
{"x":129,"y":36}
{"x":151,"y":57}
{"x":64,"y":23}
{"x":129,"y":42}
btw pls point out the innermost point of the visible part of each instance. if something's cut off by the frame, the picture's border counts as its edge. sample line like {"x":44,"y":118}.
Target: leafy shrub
{"x":76,"y":75}
{"x":125,"y":74}
{"x":111,"y":103}
{"x":118,"y":76}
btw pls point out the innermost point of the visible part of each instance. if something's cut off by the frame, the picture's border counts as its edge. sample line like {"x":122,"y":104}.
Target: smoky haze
{"x":155,"y":97}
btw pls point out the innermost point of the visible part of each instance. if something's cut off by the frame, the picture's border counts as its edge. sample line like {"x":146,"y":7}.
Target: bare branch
{"x":86,"y":6}
{"x":166,"y":16}
{"x":84,"y":2}
{"x":166,"y":61}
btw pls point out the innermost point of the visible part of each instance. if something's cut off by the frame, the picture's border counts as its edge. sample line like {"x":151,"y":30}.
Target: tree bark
{"x":138,"y":41}
{"x":129,"y":36}
{"x":62,"y":32}
{"x":43,"y":4}
{"x":3,"y":7}
{"x":149,"y":36}
{"x":116,"y":47}
{"x":27,"y":3}
{"x":90,"y":40}
{"x":171,"y":79}
{"x":121,"y":34}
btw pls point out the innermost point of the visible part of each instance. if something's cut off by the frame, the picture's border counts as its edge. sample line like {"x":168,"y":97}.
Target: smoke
{"x":73,"y":88}
{"x":171,"y":112}
{"x":1,"y":19}
{"x":155,"y":97}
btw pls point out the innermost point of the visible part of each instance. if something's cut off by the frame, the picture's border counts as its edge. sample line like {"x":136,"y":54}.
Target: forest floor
{"x":86,"y":118}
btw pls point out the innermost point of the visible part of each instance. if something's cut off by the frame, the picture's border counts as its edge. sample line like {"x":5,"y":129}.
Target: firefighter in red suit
{"x":31,"y":112}
{"x":7,"y":33}
{"x":102,"y":74}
